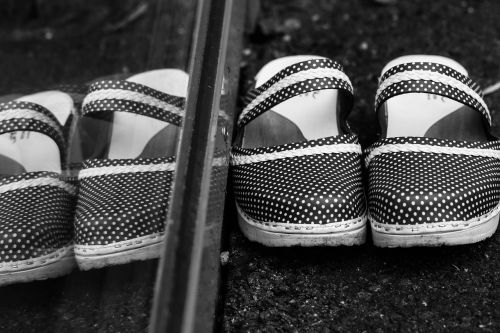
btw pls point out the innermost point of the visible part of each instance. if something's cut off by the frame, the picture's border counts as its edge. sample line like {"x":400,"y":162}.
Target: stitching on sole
{"x":144,"y":241}
{"x":36,"y":262}
{"x":278,"y":226}
{"x":433,"y":227}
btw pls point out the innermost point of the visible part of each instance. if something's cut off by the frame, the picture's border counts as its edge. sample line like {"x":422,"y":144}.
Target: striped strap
{"x":427,"y":77}
{"x":296,"y":79}
{"x":126,"y":96}
{"x":32,"y":117}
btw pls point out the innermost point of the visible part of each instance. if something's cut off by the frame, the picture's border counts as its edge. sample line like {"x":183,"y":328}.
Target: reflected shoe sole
{"x":138,"y":249}
{"x":58,"y":263}
{"x":472,"y":232}
{"x":287,"y":235}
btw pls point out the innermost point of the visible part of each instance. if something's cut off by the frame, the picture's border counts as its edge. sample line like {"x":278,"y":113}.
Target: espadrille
{"x":434,"y":176}
{"x":124,"y":192}
{"x":296,"y":166}
{"x":36,"y":198}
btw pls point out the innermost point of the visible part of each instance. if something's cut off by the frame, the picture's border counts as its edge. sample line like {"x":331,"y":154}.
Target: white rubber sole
{"x":476,"y":232}
{"x":58,"y":263}
{"x":286,"y":235}
{"x":98,"y":256}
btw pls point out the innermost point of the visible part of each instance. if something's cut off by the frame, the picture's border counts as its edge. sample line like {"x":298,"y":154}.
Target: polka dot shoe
{"x":296,"y":169}
{"x":434,"y":178}
{"x":123,"y":197}
{"x":36,"y":200}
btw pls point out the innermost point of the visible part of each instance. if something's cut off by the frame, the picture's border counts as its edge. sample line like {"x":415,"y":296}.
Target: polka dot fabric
{"x":305,"y":190}
{"x":27,"y":116}
{"x":434,"y":67}
{"x":116,"y":96}
{"x":441,"y":191}
{"x":36,"y":220}
{"x":420,"y":77}
{"x":118,"y":207}
{"x":21,"y":105}
{"x":300,"y":86}
{"x":413,"y":188}
{"x":36,"y":208}
{"x":432,"y":87}
{"x":301,"y":66}
{"x":124,"y":200}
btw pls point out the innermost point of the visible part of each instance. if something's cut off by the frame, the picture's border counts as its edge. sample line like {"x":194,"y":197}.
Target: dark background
{"x":366,"y":289}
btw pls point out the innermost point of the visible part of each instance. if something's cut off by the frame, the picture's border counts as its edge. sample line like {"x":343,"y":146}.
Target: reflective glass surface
{"x":92,"y":97}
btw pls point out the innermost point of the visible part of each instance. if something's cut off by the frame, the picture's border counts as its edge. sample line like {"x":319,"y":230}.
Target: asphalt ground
{"x":367,"y":289}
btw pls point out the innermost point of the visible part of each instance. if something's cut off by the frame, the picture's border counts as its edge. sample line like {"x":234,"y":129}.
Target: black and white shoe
{"x":434,"y":176}
{"x":296,"y":169}
{"x":36,"y":198}
{"x":123,"y":195}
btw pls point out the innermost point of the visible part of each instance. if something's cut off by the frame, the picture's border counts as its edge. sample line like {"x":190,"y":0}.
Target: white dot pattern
{"x":434,"y":67}
{"x":44,"y":122}
{"x":118,"y":207}
{"x":432,"y":185}
{"x":300,"y":87}
{"x":414,"y":188}
{"x":309,"y":185}
{"x":36,"y":220}
{"x":115,"y":102}
{"x":295,"y":68}
{"x":313,"y":189}
{"x":121,"y":206}
{"x":36,"y":213}
{"x":417,"y":85}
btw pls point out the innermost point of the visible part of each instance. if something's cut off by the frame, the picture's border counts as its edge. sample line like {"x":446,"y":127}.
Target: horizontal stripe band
{"x":346,"y":148}
{"x":419,"y":148}
{"x":44,"y":181}
{"x":432,"y":76}
{"x":30,"y":114}
{"x":120,"y":169}
{"x":291,"y":80}
{"x":132,"y":96}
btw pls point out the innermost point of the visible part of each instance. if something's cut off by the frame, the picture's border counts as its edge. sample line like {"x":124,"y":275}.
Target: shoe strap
{"x":432,"y":78}
{"x":300,"y":78}
{"x":126,"y":96}
{"x":28,"y":116}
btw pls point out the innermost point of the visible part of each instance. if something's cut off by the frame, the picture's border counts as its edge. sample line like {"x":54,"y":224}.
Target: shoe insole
{"x":134,"y":135}
{"x":430,"y":115}
{"x":26,"y":151}
{"x":304,"y":117}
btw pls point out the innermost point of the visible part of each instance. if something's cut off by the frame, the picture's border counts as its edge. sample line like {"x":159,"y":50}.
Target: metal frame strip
{"x":176,"y":297}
